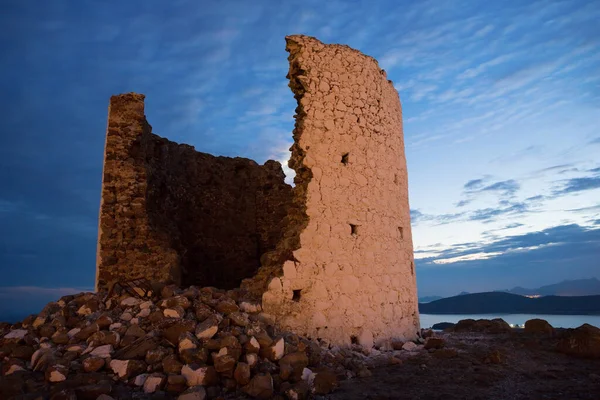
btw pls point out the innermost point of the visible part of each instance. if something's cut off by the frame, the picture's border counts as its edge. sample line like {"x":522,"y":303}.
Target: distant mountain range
{"x":577,"y":287}
{"x":507,"y":303}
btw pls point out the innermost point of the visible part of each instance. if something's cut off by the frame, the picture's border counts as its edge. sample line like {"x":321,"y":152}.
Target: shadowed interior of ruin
{"x":221,"y":214}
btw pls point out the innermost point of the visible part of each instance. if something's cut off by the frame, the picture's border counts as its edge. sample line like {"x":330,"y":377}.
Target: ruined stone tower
{"x":331,"y":258}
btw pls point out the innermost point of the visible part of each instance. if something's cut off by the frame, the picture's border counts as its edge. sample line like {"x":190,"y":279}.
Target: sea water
{"x":557,"y":321}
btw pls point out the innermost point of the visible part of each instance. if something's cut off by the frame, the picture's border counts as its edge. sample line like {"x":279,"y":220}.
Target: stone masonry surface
{"x":351,"y":276}
{"x":172,"y":214}
{"x":331,"y":259}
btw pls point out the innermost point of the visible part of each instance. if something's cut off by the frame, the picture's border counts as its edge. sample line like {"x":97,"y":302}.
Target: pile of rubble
{"x":185,"y":344}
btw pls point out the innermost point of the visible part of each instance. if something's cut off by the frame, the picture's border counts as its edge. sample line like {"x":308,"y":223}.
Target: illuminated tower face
{"x":352,"y":275}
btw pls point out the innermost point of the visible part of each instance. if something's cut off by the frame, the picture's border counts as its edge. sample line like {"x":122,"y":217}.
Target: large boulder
{"x":581,"y":342}
{"x":496,"y":325}
{"x":538,"y":326}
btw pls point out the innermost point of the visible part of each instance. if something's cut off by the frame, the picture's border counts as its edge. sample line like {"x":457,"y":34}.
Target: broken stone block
{"x":154,"y":382}
{"x":175,"y":312}
{"x":227,"y":306}
{"x":60,"y":337}
{"x":140,"y":379}
{"x":171,"y":365}
{"x":250,"y":308}
{"x":207,"y":329}
{"x":251,"y":359}
{"x":252,"y":346}
{"x":260,"y":386}
{"x":93,"y":364}
{"x":410,"y":346}
{"x":193,"y":393}
{"x":190,"y":356}
{"x":291,"y":366}
{"x":274,"y":351}
{"x":57,"y":373}
{"x":239,"y":319}
{"x":104,"y":351}
{"x":187,"y":341}
{"x":130,"y":302}
{"x":176,"y":301}
{"x":434,"y":343}
{"x":127,"y":368}
{"x":224,"y":363}
{"x":197,"y":375}
{"x":176,"y":384}
{"x":174,"y":331}
{"x":242,"y":373}
{"x":156,"y":355}
{"x":135,"y":331}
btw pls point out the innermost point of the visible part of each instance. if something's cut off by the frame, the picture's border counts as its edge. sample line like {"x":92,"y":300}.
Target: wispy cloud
{"x":490,"y":214}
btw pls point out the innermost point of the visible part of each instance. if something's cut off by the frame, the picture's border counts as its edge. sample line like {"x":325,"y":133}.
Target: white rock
{"x":409,"y":346}
{"x":206,"y":329}
{"x":171,"y":313}
{"x":187,"y":343}
{"x":153,"y":383}
{"x":194,"y":377}
{"x":308,"y":376}
{"x":144,"y":313}
{"x":278,"y":349}
{"x":126,"y":316}
{"x":57,"y":376}
{"x":115,"y":326}
{"x":130,"y":302}
{"x":16,"y":334}
{"x":250,"y":308}
{"x":140,"y":379}
{"x":255,"y":346}
{"x":146,"y":305}
{"x":73,"y":332}
{"x":251,"y":359}
{"x":103,"y":351}
{"x":119,"y":367}
{"x":77,"y":348}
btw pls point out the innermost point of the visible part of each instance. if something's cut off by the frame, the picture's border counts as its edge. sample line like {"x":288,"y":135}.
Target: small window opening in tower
{"x":345,"y":158}
{"x":354,"y":229}
{"x":297,"y":294}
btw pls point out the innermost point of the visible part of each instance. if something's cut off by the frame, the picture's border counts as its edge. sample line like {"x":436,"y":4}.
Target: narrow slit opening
{"x":296,"y":295}
{"x":401,"y":232}
{"x":353,"y":230}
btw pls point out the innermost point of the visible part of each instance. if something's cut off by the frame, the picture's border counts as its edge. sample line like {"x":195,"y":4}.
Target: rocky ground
{"x":196,"y":344}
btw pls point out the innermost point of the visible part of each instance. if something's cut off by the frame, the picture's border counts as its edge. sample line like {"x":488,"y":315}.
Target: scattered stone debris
{"x":192,"y":343}
{"x":206,"y":343}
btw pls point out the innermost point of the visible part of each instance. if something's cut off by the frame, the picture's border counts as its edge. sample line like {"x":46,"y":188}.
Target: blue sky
{"x":500,"y":100}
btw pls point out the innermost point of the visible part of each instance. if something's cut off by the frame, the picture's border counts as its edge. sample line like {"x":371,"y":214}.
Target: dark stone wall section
{"x":193,"y":218}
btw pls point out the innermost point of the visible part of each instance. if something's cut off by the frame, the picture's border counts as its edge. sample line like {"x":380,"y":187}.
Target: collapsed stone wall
{"x":350,"y":277}
{"x":172,"y":214}
{"x":331,"y":259}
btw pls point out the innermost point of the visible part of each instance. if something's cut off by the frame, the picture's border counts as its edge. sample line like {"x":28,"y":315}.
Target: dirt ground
{"x":481,"y":366}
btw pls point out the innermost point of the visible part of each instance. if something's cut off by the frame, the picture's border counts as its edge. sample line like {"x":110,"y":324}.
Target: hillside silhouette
{"x":497,"y":302}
